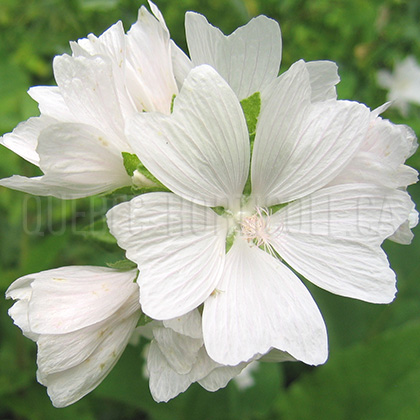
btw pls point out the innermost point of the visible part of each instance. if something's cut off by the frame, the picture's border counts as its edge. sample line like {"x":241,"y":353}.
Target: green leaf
{"x":123,"y":265}
{"x":131,"y":161}
{"x":144,"y":320}
{"x":98,"y":230}
{"x":252,"y":107}
{"x":131,"y":164}
{"x":379,"y":379}
{"x":159,"y":186}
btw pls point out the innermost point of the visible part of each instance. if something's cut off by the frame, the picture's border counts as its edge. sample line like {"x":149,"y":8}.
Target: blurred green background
{"x":374,"y":366}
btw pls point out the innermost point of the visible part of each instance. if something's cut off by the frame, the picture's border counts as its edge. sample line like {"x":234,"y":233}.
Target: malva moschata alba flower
{"x":332,"y":235}
{"x":81,"y":319}
{"x":78,"y":139}
{"x":297,"y":184}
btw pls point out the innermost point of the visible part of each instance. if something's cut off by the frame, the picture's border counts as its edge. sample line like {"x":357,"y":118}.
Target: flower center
{"x":256,"y":229}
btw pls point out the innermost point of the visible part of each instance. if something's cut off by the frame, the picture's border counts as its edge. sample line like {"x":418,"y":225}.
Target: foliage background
{"x":374,"y":366}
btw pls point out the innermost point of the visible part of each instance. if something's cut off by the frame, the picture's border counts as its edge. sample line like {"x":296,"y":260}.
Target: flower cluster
{"x":244,"y":182}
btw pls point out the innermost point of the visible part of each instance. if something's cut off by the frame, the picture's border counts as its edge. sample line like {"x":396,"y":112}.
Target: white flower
{"x":177,"y":358}
{"x":253,"y":302}
{"x":81,"y":319}
{"x":78,"y":139}
{"x":403,"y":85}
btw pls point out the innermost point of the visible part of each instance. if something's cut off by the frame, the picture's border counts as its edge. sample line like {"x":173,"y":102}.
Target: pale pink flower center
{"x":256,"y":229}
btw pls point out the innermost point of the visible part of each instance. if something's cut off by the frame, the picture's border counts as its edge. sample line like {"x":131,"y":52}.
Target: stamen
{"x":256,"y":229}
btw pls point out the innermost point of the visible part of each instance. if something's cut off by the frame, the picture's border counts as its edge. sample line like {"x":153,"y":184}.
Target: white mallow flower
{"x":176,"y":358}
{"x":403,"y":84}
{"x":78,"y":139}
{"x":253,"y":300}
{"x":81,"y":319}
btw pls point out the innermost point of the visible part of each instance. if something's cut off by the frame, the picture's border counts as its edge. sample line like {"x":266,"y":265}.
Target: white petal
{"x":164,"y":382}
{"x":403,"y":235}
{"x":24,"y":138}
{"x":366,"y":167}
{"x":179,"y":247}
{"x":393,"y":142}
{"x":179,"y":350}
{"x":300,"y":147}
{"x":323,"y":76}
{"x":69,"y":386}
{"x":83,"y":156}
{"x":111,"y":44}
{"x":382,"y":156}
{"x":21,"y":291}
{"x":181,"y":63}
{"x":189,"y":324}
{"x":59,"y":352}
{"x":201,"y":151}
{"x":70,"y":298}
{"x":220,"y":377}
{"x":248,"y":59}
{"x":77,"y":160}
{"x":51,"y":103}
{"x":151,"y":80}
{"x":279,"y":123}
{"x":203,"y":366}
{"x":261,"y":304}
{"x":333,"y":238}
{"x":88,"y":88}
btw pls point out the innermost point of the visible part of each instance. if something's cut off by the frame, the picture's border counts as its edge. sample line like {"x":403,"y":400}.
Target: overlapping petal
{"x":180,"y":350}
{"x":51,"y":103}
{"x":68,"y":386}
{"x":248,"y":59}
{"x":81,"y":318}
{"x":164,"y":382}
{"x":299,"y":147}
{"x":59,"y":352}
{"x":381,"y":157}
{"x":260,"y":304}
{"x":404,"y":235}
{"x":150,"y":77}
{"x":178,"y":246}
{"x":88,"y":88}
{"x":175,"y":360}
{"x":333,"y":238}
{"x":323,"y":76}
{"x":188,"y":325}
{"x":24,"y":138}
{"x":77,"y":159}
{"x":201,"y":151}
{"x":70,"y":298}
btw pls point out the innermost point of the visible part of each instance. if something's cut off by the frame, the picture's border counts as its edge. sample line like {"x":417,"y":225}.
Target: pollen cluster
{"x":256,"y":229}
